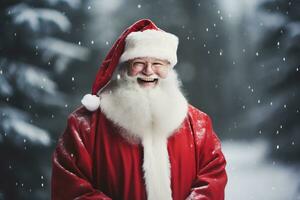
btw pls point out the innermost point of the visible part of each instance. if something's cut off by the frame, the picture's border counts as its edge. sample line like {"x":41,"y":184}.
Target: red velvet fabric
{"x":93,"y":161}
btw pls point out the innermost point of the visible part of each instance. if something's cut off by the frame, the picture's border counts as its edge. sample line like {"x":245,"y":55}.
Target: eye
{"x":138,"y":65}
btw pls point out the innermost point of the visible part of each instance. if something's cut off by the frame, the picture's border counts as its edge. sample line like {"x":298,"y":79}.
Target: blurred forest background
{"x":239,"y":62}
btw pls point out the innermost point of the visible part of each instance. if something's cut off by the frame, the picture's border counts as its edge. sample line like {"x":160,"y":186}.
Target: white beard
{"x":144,"y":112}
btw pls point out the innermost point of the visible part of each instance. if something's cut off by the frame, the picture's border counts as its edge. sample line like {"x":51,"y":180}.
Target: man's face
{"x":148,"y":70}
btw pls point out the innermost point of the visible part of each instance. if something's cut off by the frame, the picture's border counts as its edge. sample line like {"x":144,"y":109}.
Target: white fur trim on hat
{"x":151,"y":43}
{"x":91,"y":102}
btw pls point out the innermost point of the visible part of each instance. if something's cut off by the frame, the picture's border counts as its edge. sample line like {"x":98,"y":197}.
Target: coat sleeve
{"x":211,"y":177}
{"x":72,"y":164}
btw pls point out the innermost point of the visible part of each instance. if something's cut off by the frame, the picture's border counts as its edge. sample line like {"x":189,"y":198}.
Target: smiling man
{"x":136,"y":136}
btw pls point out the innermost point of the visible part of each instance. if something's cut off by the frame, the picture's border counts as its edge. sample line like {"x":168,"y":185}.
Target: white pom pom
{"x":91,"y":102}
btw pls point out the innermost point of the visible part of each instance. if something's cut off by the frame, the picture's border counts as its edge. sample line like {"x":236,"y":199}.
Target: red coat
{"x":93,"y":161}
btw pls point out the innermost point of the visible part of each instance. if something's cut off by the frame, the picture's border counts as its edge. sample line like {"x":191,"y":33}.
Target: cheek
{"x":163,"y":74}
{"x":133,"y":72}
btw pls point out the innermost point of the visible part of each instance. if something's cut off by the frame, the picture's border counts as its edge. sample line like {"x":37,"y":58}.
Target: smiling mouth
{"x":147,"y":80}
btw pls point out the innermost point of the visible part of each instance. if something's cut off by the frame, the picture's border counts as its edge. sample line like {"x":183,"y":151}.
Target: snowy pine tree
{"x":281,"y":79}
{"x":37,"y":46}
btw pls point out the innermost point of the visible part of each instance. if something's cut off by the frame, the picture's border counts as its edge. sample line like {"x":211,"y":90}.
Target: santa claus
{"x":136,"y":136}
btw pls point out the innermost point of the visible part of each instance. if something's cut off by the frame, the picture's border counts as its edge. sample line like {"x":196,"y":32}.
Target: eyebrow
{"x":139,"y":60}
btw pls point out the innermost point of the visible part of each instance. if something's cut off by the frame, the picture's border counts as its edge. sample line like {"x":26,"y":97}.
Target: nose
{"x":148,"y":69}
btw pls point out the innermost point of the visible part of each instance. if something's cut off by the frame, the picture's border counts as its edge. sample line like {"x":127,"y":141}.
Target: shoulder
{"x":82,"y":123}
{"x":200,"y":121}
{"x":197,"y":115}
{"x":81,"y":116}
{"x":81,"y":126}
{"x":203,"y":130}
{"x":80,"y":112}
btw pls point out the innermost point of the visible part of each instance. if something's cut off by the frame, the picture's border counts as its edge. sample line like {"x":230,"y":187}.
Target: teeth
{"x":147,"y":79}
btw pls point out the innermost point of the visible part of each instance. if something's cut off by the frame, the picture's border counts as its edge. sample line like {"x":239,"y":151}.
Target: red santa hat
{"x":141,"y":39}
